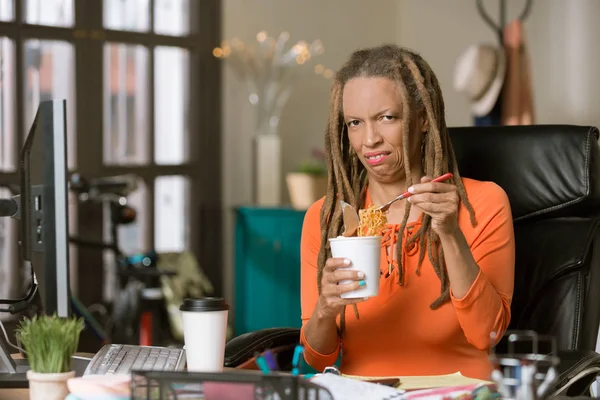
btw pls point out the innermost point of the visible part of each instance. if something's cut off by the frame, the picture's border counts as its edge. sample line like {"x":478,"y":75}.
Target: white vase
{"x":305,"y":189}
{"x":48,"y":386}
{"x":267,"y":170}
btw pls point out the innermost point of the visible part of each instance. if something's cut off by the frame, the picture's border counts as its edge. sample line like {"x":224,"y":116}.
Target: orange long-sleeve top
{"x":397,"y":333}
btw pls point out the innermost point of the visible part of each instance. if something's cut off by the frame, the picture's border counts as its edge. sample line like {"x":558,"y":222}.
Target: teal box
{"x":267,"y":268}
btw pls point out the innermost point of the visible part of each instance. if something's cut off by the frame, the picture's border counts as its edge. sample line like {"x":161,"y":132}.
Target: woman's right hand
{"x":330,"y":303}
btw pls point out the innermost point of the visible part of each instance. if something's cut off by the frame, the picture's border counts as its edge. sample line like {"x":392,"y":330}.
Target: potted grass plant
{"x":49,"y":343}
{"x":309,"y":182}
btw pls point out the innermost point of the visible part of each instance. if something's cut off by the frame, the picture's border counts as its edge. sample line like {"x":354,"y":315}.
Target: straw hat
{"x":479,"y":75}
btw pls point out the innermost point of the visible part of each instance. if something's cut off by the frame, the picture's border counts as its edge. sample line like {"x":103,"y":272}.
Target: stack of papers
{"x":344,"y":388}
{"x":427,"y":382}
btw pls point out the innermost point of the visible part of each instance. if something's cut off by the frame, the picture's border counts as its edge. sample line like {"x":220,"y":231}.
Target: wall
{"x":342,"y":27}
{"x":560,"y":37}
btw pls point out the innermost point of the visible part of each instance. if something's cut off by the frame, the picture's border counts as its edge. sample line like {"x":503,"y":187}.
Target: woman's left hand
{"x":440,"y":201}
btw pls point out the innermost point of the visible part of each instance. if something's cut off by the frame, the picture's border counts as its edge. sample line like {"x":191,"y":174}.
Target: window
{"x":130,"y":73}
{"x":8,"y":275}
{"x":7,"y":100}
{"x":6,"y":10}
{"x":49,"y":12}
{"x":127,"y":15}
{"x":171,"y":106}
{"x":170,"y":214}
{"x":134,"y":238}
{"x":171,"y":17}
{"x":50,"y":74}
{"x":125,"y":104}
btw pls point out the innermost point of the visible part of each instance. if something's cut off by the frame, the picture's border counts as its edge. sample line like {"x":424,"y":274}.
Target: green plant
{"x":50,"y":342}
{"x":314,"y":166}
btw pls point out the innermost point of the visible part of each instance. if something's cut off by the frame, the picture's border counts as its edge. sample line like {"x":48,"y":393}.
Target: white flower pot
{"x":305,"y":189}
{"x":48,"y":386}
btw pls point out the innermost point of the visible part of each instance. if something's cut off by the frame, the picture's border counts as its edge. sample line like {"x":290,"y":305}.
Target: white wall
{"x":342,"y":27}
{"x":562,"y":38}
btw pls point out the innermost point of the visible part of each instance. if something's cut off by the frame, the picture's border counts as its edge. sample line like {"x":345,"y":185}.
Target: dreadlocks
{"x":347,"y":178}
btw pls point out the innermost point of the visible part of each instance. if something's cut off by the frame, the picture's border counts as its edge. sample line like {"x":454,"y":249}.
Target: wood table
{"x":14,"y":394}
{"x":23,"y":394}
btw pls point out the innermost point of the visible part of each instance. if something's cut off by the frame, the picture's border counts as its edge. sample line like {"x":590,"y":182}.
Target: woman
{"x":447,"y":261}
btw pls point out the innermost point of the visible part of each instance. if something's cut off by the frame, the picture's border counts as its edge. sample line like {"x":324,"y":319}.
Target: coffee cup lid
{"x":204,"y":304}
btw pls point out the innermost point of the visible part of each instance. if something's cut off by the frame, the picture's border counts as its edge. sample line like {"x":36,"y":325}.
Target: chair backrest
{"x":552,"y":177}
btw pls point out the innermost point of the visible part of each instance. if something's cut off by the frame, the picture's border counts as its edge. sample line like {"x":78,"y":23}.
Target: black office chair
{"x":552,"y":177}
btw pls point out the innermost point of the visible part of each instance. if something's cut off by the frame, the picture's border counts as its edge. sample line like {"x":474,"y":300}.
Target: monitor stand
{"x":13,"y":372}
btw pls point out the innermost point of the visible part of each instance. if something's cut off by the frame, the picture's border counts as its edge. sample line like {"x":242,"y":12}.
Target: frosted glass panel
{"x":10,"y":283}
{"x":171,"y":214}
{"x":49,"y":12}
{"x":50,"y":74}
{"x":6,"y":10}
{"x":171,"y":17}
{"x":8,"y":150}
{"x":133,"y":237}
{"x":125,"y":104}
{"x":171,"y":105}
{"x":127,"y":15}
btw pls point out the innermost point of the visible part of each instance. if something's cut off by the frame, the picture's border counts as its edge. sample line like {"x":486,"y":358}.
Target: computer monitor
{"x":42,"y":208}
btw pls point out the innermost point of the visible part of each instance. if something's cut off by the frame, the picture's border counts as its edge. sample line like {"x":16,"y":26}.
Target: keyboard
{"x":119,"y":359}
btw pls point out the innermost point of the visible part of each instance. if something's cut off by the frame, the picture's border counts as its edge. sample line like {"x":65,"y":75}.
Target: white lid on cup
{"x":204,"y":304}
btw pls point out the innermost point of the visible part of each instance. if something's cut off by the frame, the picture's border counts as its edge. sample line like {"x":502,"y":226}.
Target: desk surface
{"x":14,"y":394}
{"x":23,"y":394}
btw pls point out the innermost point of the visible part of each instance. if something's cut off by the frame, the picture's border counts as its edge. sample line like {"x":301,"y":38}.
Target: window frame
{"x":203,"y":166}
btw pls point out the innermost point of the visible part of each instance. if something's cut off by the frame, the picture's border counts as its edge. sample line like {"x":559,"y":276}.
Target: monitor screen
{"x":44,"y":206}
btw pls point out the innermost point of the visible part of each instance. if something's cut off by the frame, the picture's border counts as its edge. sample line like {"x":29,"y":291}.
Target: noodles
{"x":372,"y":222}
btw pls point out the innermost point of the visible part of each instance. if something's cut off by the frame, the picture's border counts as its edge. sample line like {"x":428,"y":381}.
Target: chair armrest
{"x":577,"y":370}
{"x":242,"y":348}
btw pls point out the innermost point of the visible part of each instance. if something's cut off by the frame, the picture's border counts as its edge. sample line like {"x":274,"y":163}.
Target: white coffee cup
{"x":364,"y":253}
{"x":204,"y":333}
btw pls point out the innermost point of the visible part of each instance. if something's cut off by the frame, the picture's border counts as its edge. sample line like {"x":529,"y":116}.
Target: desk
{"x":14,"y":394}
{"x":23,"y":394}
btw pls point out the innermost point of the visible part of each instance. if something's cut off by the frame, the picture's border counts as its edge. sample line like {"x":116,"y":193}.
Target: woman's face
{"x":373,"y":116}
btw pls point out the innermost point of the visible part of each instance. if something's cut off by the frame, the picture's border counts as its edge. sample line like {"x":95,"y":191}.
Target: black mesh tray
{"x":230,"y":385}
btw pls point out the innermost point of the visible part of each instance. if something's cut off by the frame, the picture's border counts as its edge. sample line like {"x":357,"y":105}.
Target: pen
{"x":297,"y":352}
{"x":271,"y":361}
{"x":262,"y":364}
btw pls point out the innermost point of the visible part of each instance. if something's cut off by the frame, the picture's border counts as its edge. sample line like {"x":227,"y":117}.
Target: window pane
{"x":9,"y":267}
{"x":127,"y":15}
{"x":170,"y":105}
{"x":171,"y":17}
{"x":49,"y":12}
{"x":171,"y":214}
{"x":73,"y":254}
{"x":125,"y":104}
{"x":6,"y":10}
{"x":7,"y":95}
{"x":50,"y":74}
{"x":133,"y":237}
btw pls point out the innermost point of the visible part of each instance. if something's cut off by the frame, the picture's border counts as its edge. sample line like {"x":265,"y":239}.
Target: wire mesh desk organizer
{"x":528,"y":368}
{"x":235,"y":385}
